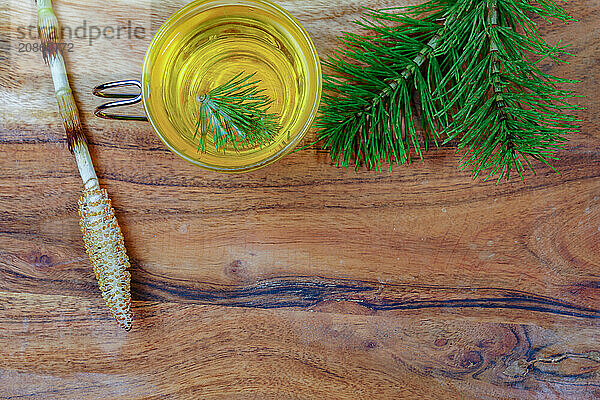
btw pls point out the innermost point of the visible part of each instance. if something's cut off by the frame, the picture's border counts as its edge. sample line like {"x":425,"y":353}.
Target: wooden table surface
{"x":299,"y":281}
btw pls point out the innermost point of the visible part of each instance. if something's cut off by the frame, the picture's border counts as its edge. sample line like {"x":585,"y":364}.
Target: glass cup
{"x":205,"y":44}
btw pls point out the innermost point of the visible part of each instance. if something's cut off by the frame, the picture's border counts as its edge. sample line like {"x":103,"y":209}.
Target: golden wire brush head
{"x":105,"y":246}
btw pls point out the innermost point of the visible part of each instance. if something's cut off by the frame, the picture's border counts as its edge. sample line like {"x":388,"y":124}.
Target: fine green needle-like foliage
{"x":506,"y":111}
{"x":369,"y":111}
{"x":448,"y":70}
{"x":237,"y":113}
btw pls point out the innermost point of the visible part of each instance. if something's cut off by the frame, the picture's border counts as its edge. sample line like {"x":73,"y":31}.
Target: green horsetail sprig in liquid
{"x":236,"y":113}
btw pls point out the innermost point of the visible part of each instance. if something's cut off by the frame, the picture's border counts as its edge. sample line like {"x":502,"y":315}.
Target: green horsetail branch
{"x":464,"y":71}
{"x":236,"y":112}
{"x":102,"y":235}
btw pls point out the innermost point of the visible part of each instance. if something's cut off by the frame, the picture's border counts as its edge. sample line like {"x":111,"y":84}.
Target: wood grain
{"x":301,"y":280}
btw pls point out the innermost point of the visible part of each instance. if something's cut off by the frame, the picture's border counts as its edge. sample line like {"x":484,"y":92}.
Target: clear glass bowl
{"x":209,"y":41}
